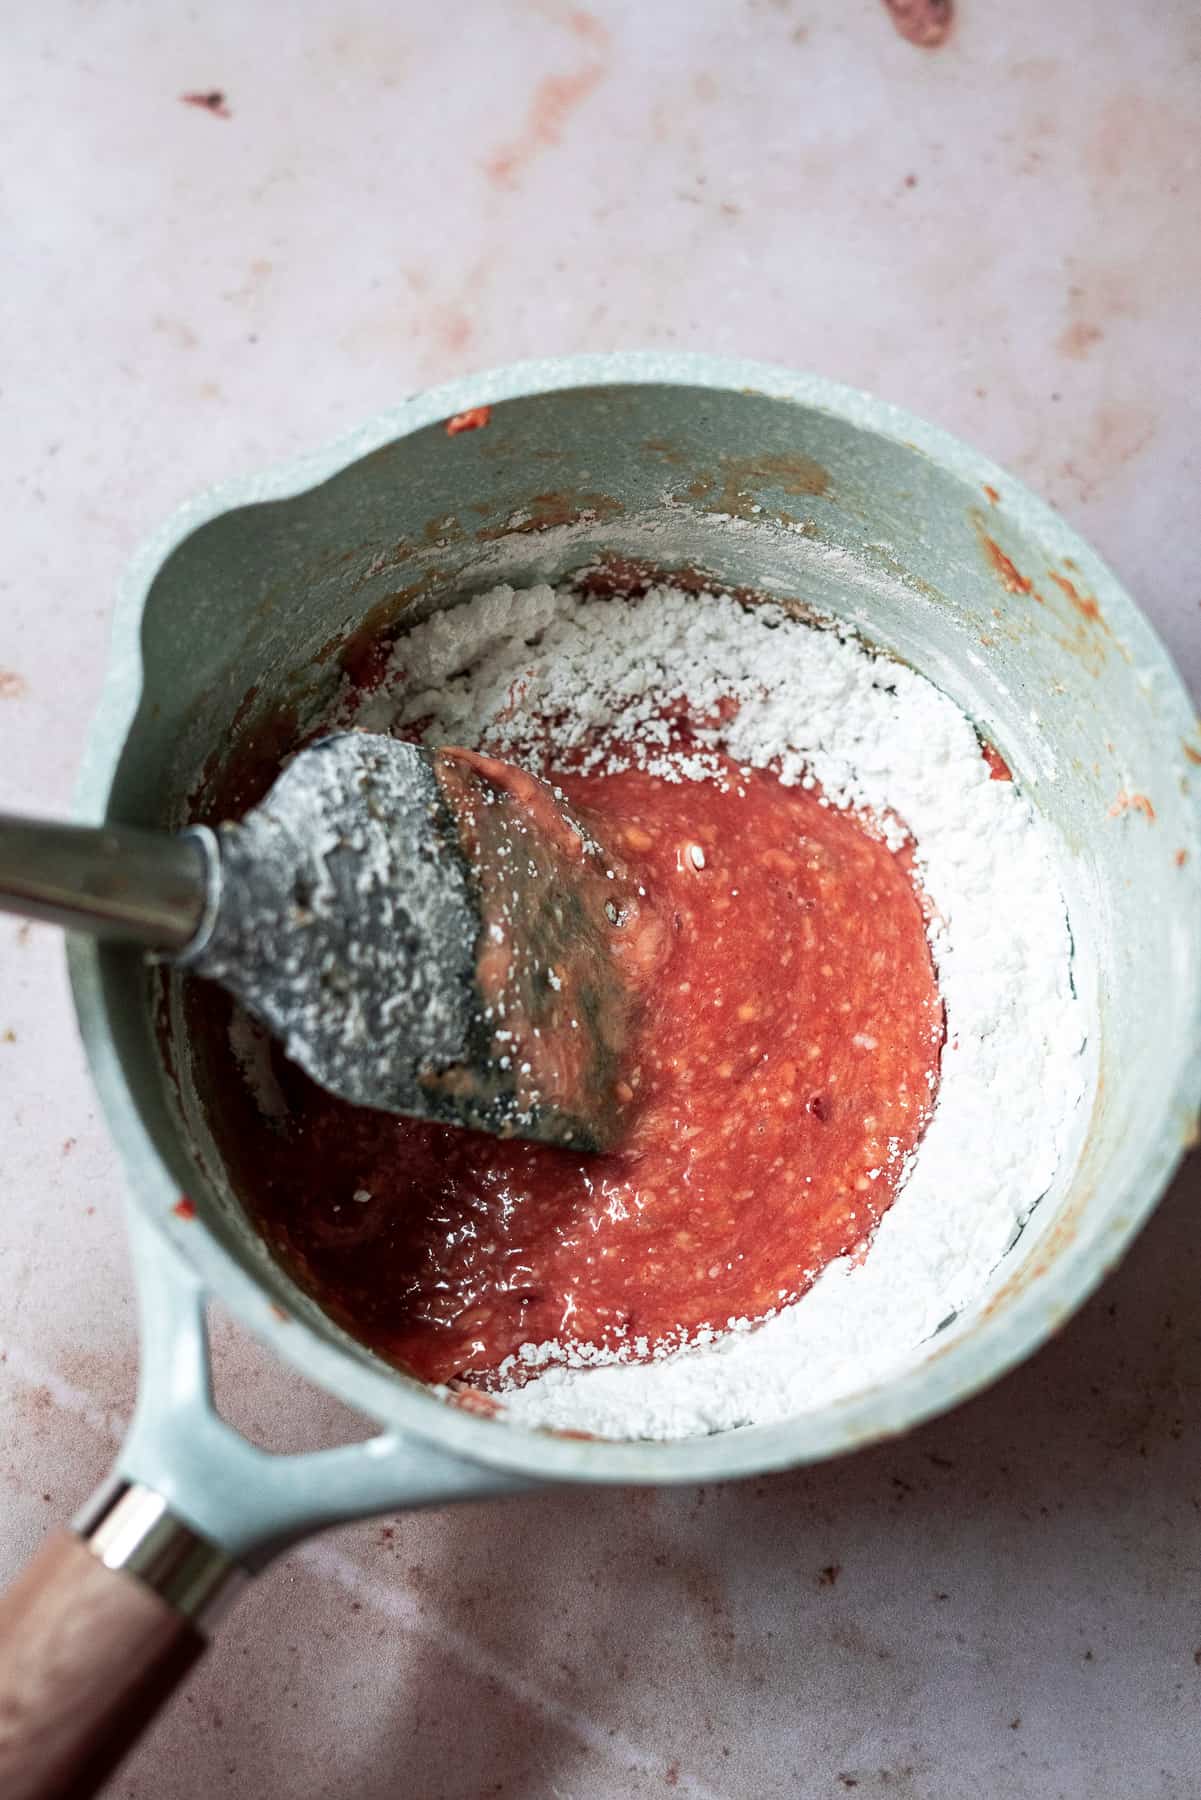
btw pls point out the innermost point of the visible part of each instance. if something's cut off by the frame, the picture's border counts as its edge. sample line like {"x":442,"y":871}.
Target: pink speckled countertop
{"x":1000,"y":234}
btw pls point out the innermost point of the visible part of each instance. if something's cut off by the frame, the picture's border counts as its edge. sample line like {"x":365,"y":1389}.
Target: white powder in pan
{"x":533,"y":673}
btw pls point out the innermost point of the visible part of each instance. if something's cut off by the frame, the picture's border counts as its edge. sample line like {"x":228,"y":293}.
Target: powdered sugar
{"x":532,"y":674}
{"x":346,"y":924}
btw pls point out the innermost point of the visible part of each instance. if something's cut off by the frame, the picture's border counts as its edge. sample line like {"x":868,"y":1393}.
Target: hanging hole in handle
{"x":267,"y":1401}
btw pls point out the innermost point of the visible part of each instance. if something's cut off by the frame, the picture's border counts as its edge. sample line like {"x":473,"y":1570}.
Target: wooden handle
{"x":87,"y":1656}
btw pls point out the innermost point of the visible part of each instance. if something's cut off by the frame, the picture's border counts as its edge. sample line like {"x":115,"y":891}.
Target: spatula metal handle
{"x":114,"y":881}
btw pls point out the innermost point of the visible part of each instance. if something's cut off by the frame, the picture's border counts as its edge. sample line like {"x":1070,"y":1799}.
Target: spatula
{"x":428,"y":932}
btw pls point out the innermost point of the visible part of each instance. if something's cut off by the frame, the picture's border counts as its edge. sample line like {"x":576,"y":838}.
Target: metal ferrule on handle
{"x":129,"y":1526}
{"x":113,"y":881}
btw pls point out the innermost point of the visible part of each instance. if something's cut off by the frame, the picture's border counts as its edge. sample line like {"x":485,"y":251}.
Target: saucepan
{"x":236,"y":616}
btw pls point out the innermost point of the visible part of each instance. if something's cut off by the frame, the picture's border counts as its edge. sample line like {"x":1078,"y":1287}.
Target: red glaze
{"x":783,"y":1066}
{"x":474,"y":419}
{"x":998,"y":768}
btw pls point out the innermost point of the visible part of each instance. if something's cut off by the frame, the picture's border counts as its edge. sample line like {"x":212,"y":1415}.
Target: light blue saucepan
{"x":765,"y":479}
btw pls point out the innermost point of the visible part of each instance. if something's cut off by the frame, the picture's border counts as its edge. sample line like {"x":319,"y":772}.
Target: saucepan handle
{"x":108,"y":1618}
{"x":95,"y":1635}
{"x":88,"y":1654}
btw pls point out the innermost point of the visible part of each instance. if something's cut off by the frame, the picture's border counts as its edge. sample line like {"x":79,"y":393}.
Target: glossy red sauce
{"x":784,"y":1065}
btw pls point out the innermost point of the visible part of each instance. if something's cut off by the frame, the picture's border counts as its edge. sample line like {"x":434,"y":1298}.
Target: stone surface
{"x":998,"y":233}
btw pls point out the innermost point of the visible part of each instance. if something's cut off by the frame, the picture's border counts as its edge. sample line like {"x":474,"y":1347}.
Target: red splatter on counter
{"x":991,"y":494}
{"x":784,"y":1066}
{"x":554,"y":100}
{"x":213,"y":102}
{"x":474,"y":419}
{"x":184,"y":1208}
{"x":586,"y":25}
{"x":926,"y":23}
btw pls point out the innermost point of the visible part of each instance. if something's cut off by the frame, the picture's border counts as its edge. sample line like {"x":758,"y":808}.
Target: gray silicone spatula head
{"x":429,"y":932}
